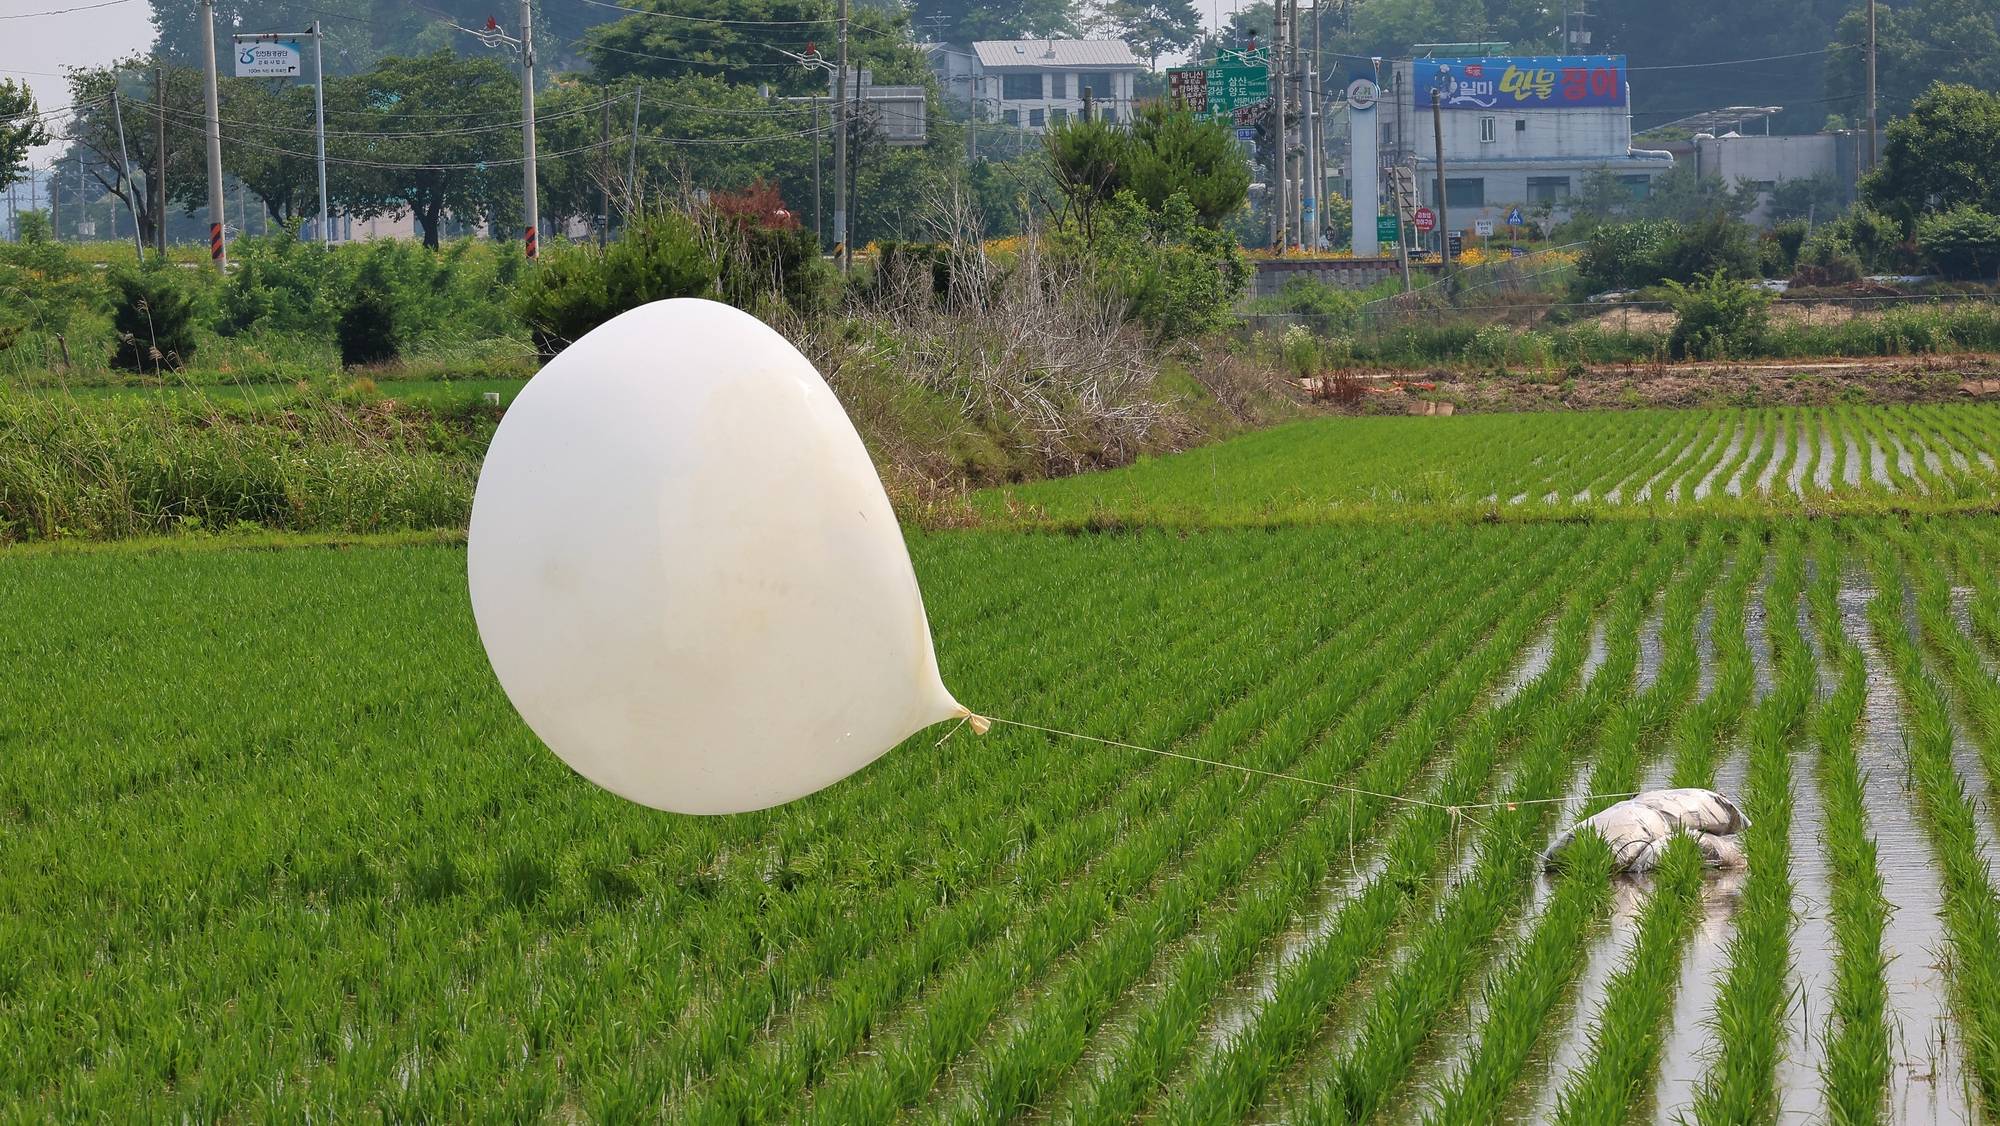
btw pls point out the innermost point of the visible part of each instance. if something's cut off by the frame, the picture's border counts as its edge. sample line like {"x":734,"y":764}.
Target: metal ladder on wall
{"x":1403,"y":189}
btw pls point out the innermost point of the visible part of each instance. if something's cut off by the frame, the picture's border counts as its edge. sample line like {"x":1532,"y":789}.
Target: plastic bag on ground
{"x":1639,"y":829}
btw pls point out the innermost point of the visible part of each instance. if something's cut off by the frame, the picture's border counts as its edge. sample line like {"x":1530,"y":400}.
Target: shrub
{"x":1827,"y":258}
{"x":367,"y":330}
{"x":1303,"y":296}
{"x":1715,"y":245}
{"x":1718,"y":318}
{"x":1624,"y":255}
{"x":1778,"y":249}
{"x":1962,"y":244}
{"x":152,"y":315}
{"x":1168,"y":271}
{"x":578,"y":287}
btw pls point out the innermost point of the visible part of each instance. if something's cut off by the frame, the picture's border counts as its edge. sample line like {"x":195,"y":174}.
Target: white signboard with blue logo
{"x":267,"y":58}
{"x":1547,"y":82}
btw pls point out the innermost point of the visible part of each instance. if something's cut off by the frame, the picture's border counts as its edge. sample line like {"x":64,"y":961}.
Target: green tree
{"x":93,"y":133}
{"x":967,"y":21}
{"x":268,"y":144}
{"x":1942,"y":154}
{"x":1916,"y":45}
{"x":1154,"y":27}
{"x":1962,"y":243}
{"x":453,"y":161}
{"x":1090,"y":162}
{"x":1176,"y":152}
{"x":20,"y":128}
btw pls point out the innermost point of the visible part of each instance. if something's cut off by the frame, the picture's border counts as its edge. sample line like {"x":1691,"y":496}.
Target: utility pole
{"x":819,"y":224}
{"x":531,"y":208}
{"x":319,"y":128}
{"x":216,"y":253}
{"x":632,"y":159}
{"x":1316,"y":154}
{"x":1871,"y":85}
{"x":840,"y":142}
{"x":1278,"y":190}
{"x":125,"y":171}
{"x":1444,"y":215}
{"x":55,"y":187}
{"x":604,"y":178}
{"x":159,"y":192}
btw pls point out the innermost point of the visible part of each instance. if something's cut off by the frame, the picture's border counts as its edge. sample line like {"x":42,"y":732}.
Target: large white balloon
{"x":686,"y":573}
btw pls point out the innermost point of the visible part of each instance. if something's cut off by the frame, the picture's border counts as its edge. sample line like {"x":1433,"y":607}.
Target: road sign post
{"x":1425,"y":220}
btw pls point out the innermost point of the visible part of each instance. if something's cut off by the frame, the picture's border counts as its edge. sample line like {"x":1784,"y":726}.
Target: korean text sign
{"x":1552,"y":82}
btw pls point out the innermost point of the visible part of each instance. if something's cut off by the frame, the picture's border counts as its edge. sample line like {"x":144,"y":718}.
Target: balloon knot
{"x":980,"y":724}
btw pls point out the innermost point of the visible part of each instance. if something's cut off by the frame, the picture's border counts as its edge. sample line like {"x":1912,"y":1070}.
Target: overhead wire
{"x":65,"y":11}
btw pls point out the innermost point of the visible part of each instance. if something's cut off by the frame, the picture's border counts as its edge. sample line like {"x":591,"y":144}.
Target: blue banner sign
{"x":1551,"y":82}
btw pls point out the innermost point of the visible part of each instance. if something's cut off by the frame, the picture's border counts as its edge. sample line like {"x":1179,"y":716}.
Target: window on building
{"x":1014,"y":118}
{"x":1107,"y":114}
{"x":1058,"y":85}
{"x":1489,"y":130}
{"x":1764,"y":186}
{"x":1101,"y":87}
{"x":1548,"y":189}
{"x":1520,"y":125}
{"x":1639,"y":186}
{"x":1021,"y":86}
{"x":1058,"y":116}
{"x":1036,"y":119}
{"x":1469,"y":192}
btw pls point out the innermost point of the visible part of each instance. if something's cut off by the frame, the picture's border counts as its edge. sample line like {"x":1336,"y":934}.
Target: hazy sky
{"x":35,"y":48}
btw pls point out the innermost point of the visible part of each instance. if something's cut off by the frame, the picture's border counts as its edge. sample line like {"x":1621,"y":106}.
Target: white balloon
{"x":686,"y":573}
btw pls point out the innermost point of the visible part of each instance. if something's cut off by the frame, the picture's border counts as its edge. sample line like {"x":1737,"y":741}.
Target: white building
{"x":1762,"y":162}
{"x":1035,"y":83}
{"x":1518,"y":132}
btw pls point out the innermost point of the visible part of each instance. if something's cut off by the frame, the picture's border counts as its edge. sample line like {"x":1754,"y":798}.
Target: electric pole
{"x":159,"y":192}
{"x":1278,"y":190}
{"x":530,"y":207}
{"x":604,"y":178}
{"x":1871,"y":85}
{"x":319,"y":128}
{"x":840,"y":142}
{"x":1444,"y":216}
{"x":125,"y":171}
{"x":216,"y":253}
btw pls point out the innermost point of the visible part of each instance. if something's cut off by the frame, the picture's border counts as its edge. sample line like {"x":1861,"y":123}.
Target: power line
{"x":468,"y":131}
{"x":65,"y":11}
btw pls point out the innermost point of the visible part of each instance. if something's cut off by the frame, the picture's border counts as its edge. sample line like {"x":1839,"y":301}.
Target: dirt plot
{"x":1917,"y":379}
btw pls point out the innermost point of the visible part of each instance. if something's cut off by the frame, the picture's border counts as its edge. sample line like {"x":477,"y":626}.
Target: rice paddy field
{"x":273,"y":844}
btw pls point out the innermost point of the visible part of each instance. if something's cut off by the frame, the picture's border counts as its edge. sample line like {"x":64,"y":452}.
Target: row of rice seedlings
{"x":1671,"y":443}
{"x":1855,"y":1062}
{"x":1304,"y":988}
{"x":1896,"y":464}
{"x":916,"y":1050}
{"x":1749,"y":1014}
{"x":1971,"y":910}
{"x":1520,"y":1000}
{"x":1727,"y":443}
{"x":1402,"y":1015}
{"x":1037,"y":1048}
{"x":1782,"y":450}
{"x":995,"y":813}
{"x":793,"y":1059}
{"x":1972,"y":556}
{"x":1977,"y":691}
{"x":1628,"y":1037}
{"x":1742,"y":480}
{"x":1167,"y":1027}
{"x":1742,"y":440}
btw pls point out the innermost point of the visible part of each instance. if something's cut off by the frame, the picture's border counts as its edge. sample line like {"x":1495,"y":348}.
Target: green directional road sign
{"x":1387,"y":228}
{"x":1219,"y":90}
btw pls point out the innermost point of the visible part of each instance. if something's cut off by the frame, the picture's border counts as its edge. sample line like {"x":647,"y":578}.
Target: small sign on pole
{"x":260,"y":56}
{"x":1388,"y":228}
{"x":1483,"y":228}
{"x":1425,"y":220}
{"x":1514,"y":217}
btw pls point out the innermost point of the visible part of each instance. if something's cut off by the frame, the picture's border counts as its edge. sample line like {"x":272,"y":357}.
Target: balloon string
{"x":1454,"y":809}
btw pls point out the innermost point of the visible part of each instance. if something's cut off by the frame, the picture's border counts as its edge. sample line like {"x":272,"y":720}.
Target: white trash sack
{"x":1639,"y":829}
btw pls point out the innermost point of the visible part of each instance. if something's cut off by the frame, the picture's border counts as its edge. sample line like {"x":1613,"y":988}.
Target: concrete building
{"x":1035,"y":83}
{"x":1764,"y":162}
{"x":1517,"y":132}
